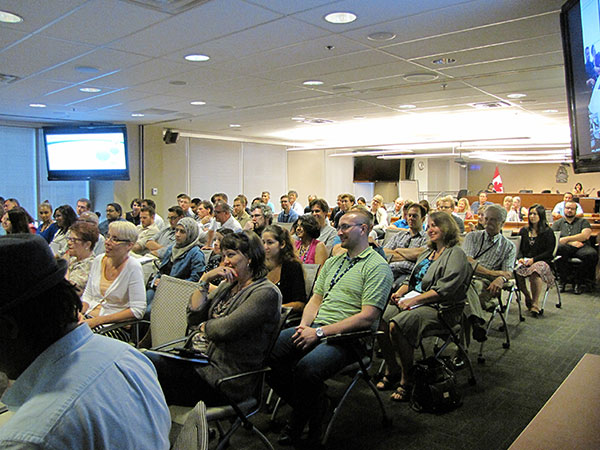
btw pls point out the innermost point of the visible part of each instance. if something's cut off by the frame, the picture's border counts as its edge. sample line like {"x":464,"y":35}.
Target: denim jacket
{"x":189,"y":267}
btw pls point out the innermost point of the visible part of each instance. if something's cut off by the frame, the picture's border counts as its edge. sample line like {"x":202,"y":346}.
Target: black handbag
{"x":435,"y":389}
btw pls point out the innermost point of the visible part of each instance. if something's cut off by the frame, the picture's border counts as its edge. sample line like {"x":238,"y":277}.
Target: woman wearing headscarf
{"x":183,"y":260}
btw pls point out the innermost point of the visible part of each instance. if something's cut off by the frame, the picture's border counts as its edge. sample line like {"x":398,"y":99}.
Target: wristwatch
{"x":202,"y":286}
{"x":320,"y":333}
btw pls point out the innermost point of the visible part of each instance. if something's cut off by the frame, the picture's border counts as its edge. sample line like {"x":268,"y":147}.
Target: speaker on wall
{"x":170,"y":137}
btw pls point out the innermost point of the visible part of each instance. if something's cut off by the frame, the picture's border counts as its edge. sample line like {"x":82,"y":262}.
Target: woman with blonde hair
{"x":464,"y":207}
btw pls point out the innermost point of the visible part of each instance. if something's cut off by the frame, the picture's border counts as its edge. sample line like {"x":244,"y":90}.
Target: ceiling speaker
{"x":170,"y":137}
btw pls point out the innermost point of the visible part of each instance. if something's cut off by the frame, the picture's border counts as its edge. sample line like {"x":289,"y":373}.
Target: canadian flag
{"x":497,"y":181}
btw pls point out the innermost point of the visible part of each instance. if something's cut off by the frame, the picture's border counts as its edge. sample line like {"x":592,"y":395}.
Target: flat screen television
{"x":87,"y":152}
{"x":580,"y":26}
{"x":371,"y":169}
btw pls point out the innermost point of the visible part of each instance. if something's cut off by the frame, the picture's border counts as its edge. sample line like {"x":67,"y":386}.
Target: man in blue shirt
{"x":287,"y":214}
{"x":73,"y":389}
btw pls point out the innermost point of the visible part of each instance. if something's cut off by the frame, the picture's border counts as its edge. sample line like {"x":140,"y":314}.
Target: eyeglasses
{"x":173,"y":217}
{"x":256,"y":215}
{"x":74,"y":239}
{"x":346,"y":227}
{"x":116,"y":240}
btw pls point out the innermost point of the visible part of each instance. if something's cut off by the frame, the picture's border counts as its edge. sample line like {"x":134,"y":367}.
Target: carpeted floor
{"x":512,"y":386}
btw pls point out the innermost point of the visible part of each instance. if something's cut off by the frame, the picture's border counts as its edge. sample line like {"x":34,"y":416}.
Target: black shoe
{"x":578,"y":289}
{"x":563,"y":287}
{"x":316,"y":422}
{"x":479,"y":333}
{"x":292,"y":431}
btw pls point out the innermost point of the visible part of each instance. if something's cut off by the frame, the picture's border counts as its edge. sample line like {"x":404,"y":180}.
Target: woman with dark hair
{"x":16,"y":221}
{"x":183,"y":260}
{"x":235,"y":326}
{"x":537,"y":247}
{"x":308,"y":248}
{"x":48,"y":227}
{"x":81,"y":241}
{"x":578,"y":190}
{"x":440,"y":277}
{"x":285,"y":269}
{"x":65,"y":217}
{"x":133,"y":216}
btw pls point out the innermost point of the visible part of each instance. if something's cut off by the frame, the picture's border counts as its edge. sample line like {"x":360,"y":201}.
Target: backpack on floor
{"x":435,"y":389}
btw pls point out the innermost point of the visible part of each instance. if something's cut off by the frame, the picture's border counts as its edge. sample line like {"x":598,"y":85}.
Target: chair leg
{"x":559,"y":304}
{"x":275,"y":409}
{"x":507,"y":343}
{"x":480,"y":358}
{"x":337,"y":408}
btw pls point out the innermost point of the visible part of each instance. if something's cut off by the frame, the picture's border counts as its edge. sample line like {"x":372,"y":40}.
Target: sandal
{"x":402,"y":393}
{"x":388,"y":382}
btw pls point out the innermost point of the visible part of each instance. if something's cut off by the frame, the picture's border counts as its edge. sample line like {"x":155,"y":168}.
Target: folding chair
{"x":553,"y":268}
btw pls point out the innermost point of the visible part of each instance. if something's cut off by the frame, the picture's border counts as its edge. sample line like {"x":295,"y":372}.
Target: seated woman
{"x":115,"y":288}
{"x":519,"y":209}
{"x":15,"y":221}
{"x":578,"y":190}
{"x":464,"y":207}
{"x":80,"y":255}
{"x":537,"y":247}
{"x":285,"y":269}
{"x":183,"y":260}
{"x":440,"y":276}
{"x":308,"y":248}
{"x":48,"y":227}
{"x":236,"y":324}
{"x":380,"y":216}
{"x":511,"y":214}
{"x":65,"y":217}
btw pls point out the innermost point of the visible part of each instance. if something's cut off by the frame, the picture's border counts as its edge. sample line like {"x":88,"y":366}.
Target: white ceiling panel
{"x":203,"y":23}
{"x":290,"y":6}
{"x":9,"y":37}
{"x":154,"y":69}
{"x":99,"y":22}
{"x":39,"y":13}
{"x":507,"y":65}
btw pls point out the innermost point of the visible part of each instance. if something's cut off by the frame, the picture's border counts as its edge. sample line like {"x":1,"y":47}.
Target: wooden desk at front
{"x":547,"y":200}
{"x":570,"y":419}
{"x":516,"y":226}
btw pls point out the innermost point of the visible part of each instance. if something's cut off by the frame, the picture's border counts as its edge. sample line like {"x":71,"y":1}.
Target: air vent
{"x":490,"y":105}
{"x":168,"y":6}
{"x":318,"y":121}
{"x":155,"y":112}
{"x":7,"y":79}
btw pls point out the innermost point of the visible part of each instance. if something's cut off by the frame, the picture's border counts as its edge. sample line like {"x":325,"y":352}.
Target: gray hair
{"x":88,"y":216}
{"x":499,"y":211}
{"x":124,"y":230}
{"x":266,"y":211}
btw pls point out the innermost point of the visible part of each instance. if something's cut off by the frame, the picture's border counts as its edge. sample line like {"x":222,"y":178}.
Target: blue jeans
{"x":298,"y":376}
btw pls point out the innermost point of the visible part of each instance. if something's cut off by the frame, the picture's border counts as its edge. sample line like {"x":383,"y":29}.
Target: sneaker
{"x":479,"y":333}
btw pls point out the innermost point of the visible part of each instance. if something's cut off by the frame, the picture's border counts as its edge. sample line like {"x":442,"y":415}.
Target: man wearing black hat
{"x":72,"y":389}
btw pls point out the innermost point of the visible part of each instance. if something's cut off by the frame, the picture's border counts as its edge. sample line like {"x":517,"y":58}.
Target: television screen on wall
{"x":371,"y":169}
{"x":87,"y":152}
{"x":580,"y":26}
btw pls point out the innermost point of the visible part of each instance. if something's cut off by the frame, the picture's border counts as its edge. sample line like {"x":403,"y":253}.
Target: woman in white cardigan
{"x":115,"y":289}
{"x":380,"y":215}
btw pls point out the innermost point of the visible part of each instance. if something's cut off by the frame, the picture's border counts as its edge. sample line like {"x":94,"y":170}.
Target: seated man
{"x":158,"y":243}
{"x":114,"y":212}
{"x":402,"y":223}
{"x":239,"y":210}
{"x":295,"y":204}
{"x":83,"y":205}
{"x":287,"y":214}
{"x":396,"y":209}
{"x":446,"y":204}
{"x":261,"y":217}
{"x":483,"y":200}
{"x":351,"y":291}
{"x":72,"y":389}
{"x":347,"y":202}
{"x":266,"y":199}
{"x":406,"y":246}
{"x":158,"y":220}
{"x":574,"y":243}
{"x":185,"y":202}
{"x":224,"y":219}
{"x":559,"y":209}
{"x":496,"y":257}
{"x":319,"y":208}
{"x":147,"y":230}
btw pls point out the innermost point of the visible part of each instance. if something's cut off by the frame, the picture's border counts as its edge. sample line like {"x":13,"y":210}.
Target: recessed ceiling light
{"x":516,"y":95}
{"x":550,"y":111}
{"x":37,"y":105}
{"x":197,"y":103}
{"x":442,"y":61}
{"x":340,"y":17}
{"x":8,"y":17}
{"x":87,"y":69}
{"x":177,"y":83}
{"x":407,"y":106}
{"x":381,"y":36}
{"x":89,"y":89}
{"x":234,"y":125}
{"x":137,"y":115}
{"x":197,"y":57}
{"x":312,"y":83}
{"x":420,"y":77}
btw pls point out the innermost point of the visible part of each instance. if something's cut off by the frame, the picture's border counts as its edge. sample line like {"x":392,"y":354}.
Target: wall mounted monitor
{"x":87,"y":152}
{"x":580,"y":26}
{"x":371,"y":169}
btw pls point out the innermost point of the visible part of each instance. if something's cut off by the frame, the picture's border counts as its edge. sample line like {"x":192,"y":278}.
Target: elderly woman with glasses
{"x":81,"y":239}
{"x":115,"y":288}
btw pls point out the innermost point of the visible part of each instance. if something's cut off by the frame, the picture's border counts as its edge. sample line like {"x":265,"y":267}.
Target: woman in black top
{"x":537,"y":247}
{"x":285,"y":269}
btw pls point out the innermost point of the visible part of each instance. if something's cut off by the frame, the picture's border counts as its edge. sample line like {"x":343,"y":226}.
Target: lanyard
{"x":480,"y":253}
{"x":337,"y":278}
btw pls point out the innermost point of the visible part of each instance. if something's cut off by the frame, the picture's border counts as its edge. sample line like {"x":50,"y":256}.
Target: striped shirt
{"x":345,"y":291}
{"x":492,"y":252}
{"x":404,"y":239}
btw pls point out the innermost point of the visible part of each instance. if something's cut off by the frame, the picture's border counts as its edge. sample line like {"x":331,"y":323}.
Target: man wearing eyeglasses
{"x":261,"y":215}
{"x":446,"y":204}
{"x":349,"y":295}
{"x":164,"y":238}
{"x":114,"y":212}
